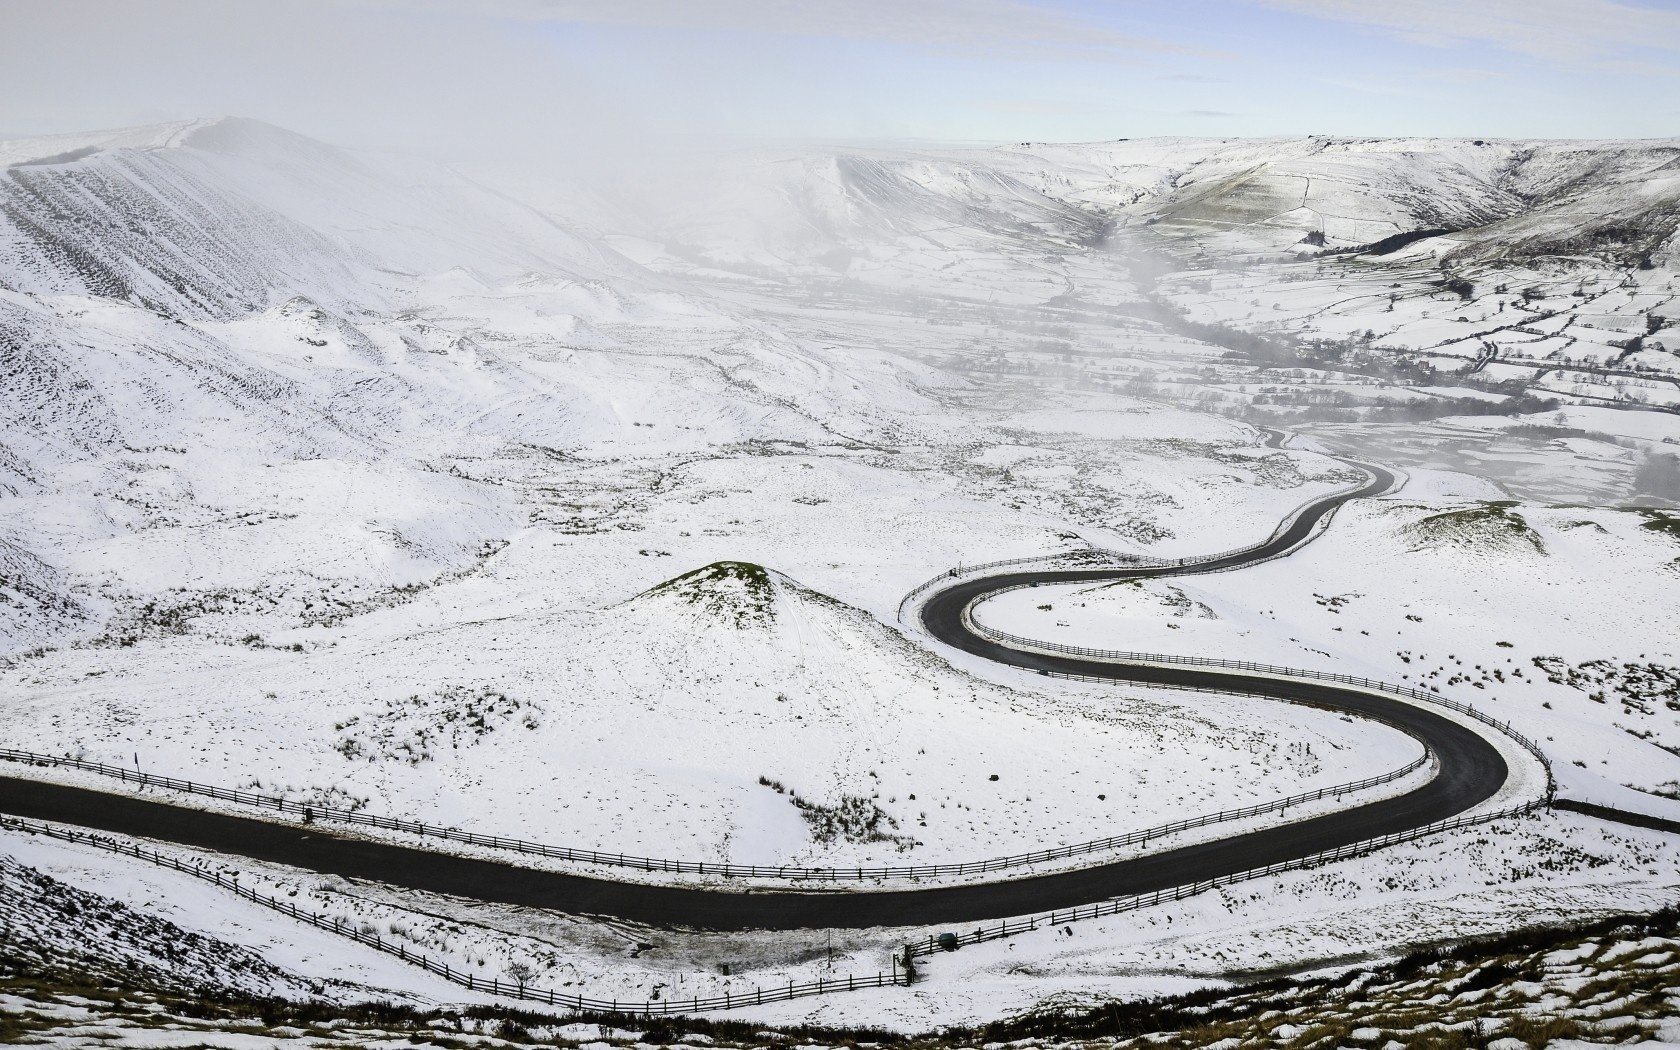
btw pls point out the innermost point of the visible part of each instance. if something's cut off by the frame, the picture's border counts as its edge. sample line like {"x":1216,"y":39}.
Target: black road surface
{"x":1471,"y":771}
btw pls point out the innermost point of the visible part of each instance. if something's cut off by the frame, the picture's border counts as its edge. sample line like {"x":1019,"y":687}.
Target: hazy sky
{"x":525,"y":79}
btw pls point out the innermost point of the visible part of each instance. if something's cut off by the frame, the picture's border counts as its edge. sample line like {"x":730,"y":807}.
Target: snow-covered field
{"x":1492,"y":604}
{"x":442,"y":494}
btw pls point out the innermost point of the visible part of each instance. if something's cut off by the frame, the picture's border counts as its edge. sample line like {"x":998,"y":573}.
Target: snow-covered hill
{"x":1487,"y":198}
{"x":220,"y":322}
{"x":1212,"y":198}
{"x":214,"y":219}
{"x":728,"y":714}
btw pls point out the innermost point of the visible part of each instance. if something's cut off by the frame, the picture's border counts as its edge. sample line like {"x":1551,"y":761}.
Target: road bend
{"x":1471,"y":770}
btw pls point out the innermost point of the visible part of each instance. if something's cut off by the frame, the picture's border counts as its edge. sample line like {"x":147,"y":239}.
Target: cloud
{"x":1569,"y":31}
{"x":1461,"y":77}
{"x":1194,"y":78}
{"x":990,"y":27}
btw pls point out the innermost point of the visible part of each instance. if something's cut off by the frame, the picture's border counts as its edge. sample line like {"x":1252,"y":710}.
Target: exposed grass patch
{"x":1662,"y":521}
{"x":853,"y":819}
{"x":1637,"y":686}
{"x":736,"y":592}
{"x":1534,"y":986}
{"x":1491,"y":527}
{"x":412,"y":729}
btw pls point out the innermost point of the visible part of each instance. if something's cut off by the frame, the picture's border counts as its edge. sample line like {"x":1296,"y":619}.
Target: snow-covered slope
{"x":219,"y":321}
{"x":1210,"y":197}
{"x":1497,"y":198}
{"x":215,"y":219}
{"x":816,"y":210}
{"x":727,"y":714}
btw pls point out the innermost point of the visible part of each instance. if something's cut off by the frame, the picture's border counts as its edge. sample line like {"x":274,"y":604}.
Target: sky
{"x":545,"y":79}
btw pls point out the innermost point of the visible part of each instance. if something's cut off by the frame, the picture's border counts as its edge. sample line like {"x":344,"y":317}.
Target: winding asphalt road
{"x":1471,"y":770}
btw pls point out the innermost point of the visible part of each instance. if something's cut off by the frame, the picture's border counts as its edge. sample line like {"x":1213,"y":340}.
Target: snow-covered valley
{"x":441,"y":494}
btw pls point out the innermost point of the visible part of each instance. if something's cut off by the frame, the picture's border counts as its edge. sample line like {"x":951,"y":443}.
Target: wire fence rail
{"x":1181,"y":566}
{"x":1085,"y":554}
{"x":789,"y":872}
{"x":1121,"y":658}
{"x":1118,"y":905}
{"x":510,"y":989}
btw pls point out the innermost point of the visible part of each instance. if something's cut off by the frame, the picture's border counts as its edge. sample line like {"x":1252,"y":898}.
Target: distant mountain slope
{"x":1499,"y":197}
{"x":1020,"y":224}
{"x":220,"y":323}
{"x":216,"y":219}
